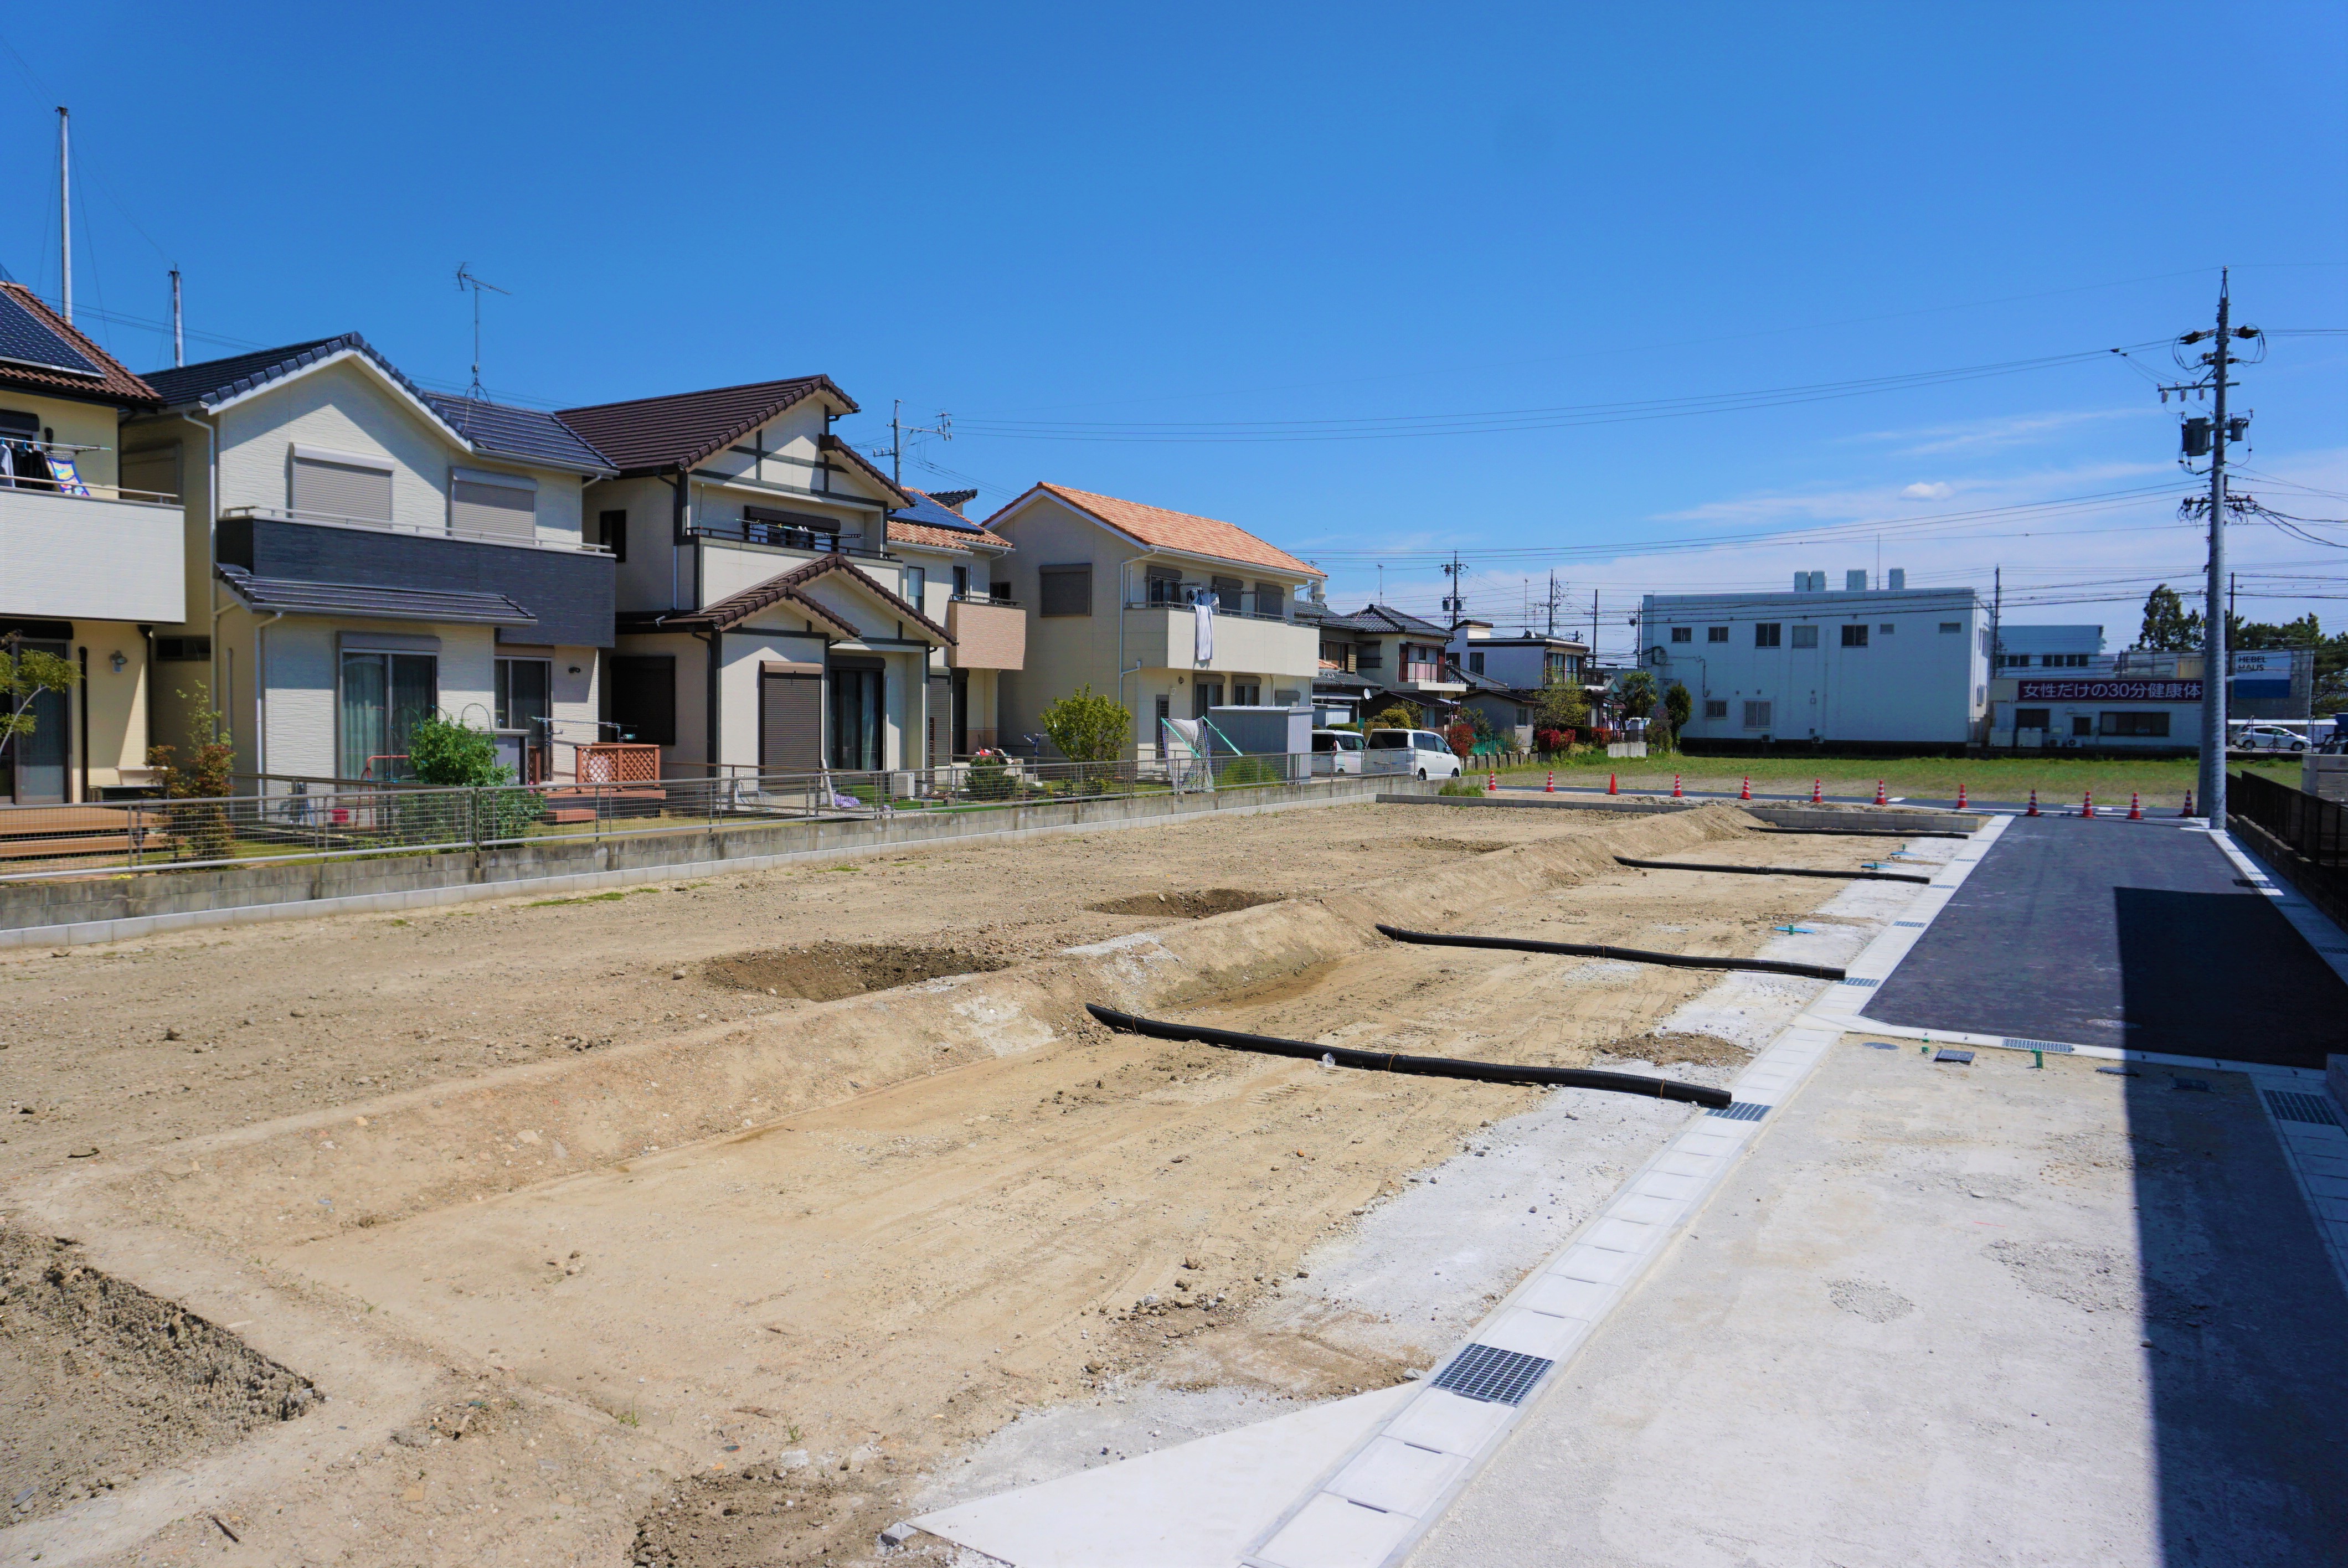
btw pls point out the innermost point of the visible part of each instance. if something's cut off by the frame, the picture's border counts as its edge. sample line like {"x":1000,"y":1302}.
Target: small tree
{"x":1461,"y":739}
{"x":2169,"y":627}
{"x":25,"y":675}
{"x":201,"y":832}
{"x":1636,"y":691}
{"x":1563,"y":706}
{"x":1678,"y":707}
{"x":1398,"y":715}
{"x":1481,"y":722}
{"x":455,"y":755}
{"x":1089,"y":729}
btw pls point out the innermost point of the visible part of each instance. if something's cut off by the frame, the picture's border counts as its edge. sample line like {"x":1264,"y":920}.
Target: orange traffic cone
{"x":1960,"y":795}
{"x":2088,"y":803}
{"x":1676,"y":792}
{"x":2033,"y":804}
{"x":2189,"y":805}
{"x":1880,"y":799}
{"x":1550,"y":787}
{"x":2135,"y":806}
{"x":1492,"y":782}
{"x":1746,"y":793}
{"x":1611,"y":788}
{"x":1817,"y":791}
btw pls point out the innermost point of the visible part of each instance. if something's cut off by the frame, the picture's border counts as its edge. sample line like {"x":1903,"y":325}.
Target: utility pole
{"x":1593,"y":625}
{"x":179,"y":336}
{"x":1996,"y":620}
{"x":2208,"y":438}
{"x":1551,"y":602}
{"x":1455,"y":602}
{"x":65,"y":212}
{"x":899,"y":430}
{"x":2230,"y":604}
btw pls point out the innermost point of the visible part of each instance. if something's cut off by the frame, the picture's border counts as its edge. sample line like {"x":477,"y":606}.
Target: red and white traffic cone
{"x":2033,"y":804}
{"x":1881,"y":798}
{"x":1960,"y":795}
{"x":1492,"y":782}
{"x":1817,"y":791}
{"x":1611,"y":788}
{"x":1746,"y":793}
{"x":2088,"y":803}
{"x":1550,"y":787}
{"x":1676,"y":792}
{"x":2135,"y":806}
{"x":2189,"y":805}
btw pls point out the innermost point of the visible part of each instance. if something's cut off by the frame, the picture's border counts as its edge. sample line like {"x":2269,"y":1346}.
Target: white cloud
{"x":2007,"y":430}
{"x":1935,"y":491}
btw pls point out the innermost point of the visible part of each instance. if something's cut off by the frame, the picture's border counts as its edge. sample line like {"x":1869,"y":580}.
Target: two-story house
{"x":950,"y":568}
{"x":1115,"y":588}
{"x":90,"y":555}
{"x":764,"y":625}
{"x":361,"y":554}
{"x":1396,"y":654}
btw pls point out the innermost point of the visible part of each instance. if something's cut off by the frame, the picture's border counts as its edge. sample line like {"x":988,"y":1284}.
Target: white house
{"x":764,"y":622}
{"x":1890,"y":666}
{"x":361,"y":553}
{"x":1114,"y":587}
{"x":951,"y":565}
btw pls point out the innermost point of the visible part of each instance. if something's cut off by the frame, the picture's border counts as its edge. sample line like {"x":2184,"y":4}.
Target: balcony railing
{"x":415,"y":531}
{"x":1182,"y":596}
{"x":785,"y":536}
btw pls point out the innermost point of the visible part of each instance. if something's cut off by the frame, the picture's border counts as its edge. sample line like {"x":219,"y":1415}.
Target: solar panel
{"x":25,"y":339}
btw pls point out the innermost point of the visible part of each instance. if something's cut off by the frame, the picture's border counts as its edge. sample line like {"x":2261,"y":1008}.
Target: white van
{"x":1337,"y":751}
{"x":1418,"y":752}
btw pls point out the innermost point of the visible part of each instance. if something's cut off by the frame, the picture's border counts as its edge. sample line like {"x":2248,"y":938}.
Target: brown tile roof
{"x":1179,"y":530}
{"x":942,"y":538}
{"x":117,"y":386}
{"x":737,"y":607}
{"x":660,"y":435}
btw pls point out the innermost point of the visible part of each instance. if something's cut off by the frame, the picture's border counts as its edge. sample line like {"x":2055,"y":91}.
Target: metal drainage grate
{"x":1861,"y":983}
{"x":1739,"y":1110}
{"x":1961,"y":1057}
{"x":1495,"y":1375}
{"x":2054,"y":1045}
{"x":2291,"y":1105}
{"x":2200,"y":1085}
{"x":1912,"y":924}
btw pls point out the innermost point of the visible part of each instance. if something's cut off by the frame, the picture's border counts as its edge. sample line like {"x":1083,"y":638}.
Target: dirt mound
{"x":1461,"y":846}
{"x":1665,"y":1050}
{"x":1185,"y":906}
{"x":768,"y":1515}
{"x":104,"y":1382}
{"x":829,"y":970}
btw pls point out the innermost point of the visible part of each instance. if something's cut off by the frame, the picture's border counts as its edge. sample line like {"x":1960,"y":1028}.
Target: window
{"x":1757,"y":715}
{"x":1765,"y":634}
{"x":1806,"y":637}
{"x":2032,"y":718}
{"x":1271,"y":600}
{"x":1164,"y":583}
{"x":1246,"y":694}
{"x":1287,"y":699}
{"x":962,"y":582}
{"x":855,"y":687}
{"x":1949,"y":626}
{"x":340,"y":485}
{"x":1389,"y":740}
{"x":1886,"y":628}
{"x":1715,"y":707}
{"x":502,"y":505}
{"x":1064,"y":590}
{"x":1854,"y":636}
{"x":1226,"y":590}
{"x":2082,"y":725}
{"x":183,"y":649}
{"x":384,"y":697}
{"x":1716,"y":634}
{"x":1002,"y":592}
{"x":1524,"y":717}
{"x":1475,"y":663}
{"x":525,"y":702}
{"x":1205,"y":694}
{"x":1683,"y":634}
{"x":917,"y":585}
{"x":2149,"y":726}
{"x":613,"y":526}
{"x":644,"y":697}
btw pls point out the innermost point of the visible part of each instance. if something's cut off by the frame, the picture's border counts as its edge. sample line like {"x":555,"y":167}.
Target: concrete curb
{"x":1889,"y":820}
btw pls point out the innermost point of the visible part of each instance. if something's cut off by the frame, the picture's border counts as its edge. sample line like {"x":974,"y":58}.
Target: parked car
{"x":2268,"y":738}
{"x":1337,"y":751}
{"x":1417,"y":752}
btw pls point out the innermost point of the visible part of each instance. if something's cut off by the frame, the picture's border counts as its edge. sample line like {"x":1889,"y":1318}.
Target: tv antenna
{"x":465,"y":280}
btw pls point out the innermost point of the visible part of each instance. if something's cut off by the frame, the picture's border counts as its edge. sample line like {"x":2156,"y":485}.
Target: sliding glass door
{"x":856,"y":714}
{"x":384,"y":696}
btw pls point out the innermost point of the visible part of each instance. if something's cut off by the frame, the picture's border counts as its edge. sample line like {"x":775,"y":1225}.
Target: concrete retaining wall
{"x":67,"y":912}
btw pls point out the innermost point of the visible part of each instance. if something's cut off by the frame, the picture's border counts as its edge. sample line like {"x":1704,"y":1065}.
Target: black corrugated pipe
{"x":1420,"y":1066}
{"x":1628,"y":954}
{"x":1773,"y":870}
{"x":1868,"y":832}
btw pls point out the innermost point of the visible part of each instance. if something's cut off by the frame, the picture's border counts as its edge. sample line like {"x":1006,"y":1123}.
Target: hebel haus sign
{"x":2107,"y":691}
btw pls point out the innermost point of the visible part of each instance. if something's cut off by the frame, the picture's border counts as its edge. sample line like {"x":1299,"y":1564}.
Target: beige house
{"x":765,"y":624}
{"x":90,"y":555}
{"x":1113,"y":588}
{"x":951,"y":570}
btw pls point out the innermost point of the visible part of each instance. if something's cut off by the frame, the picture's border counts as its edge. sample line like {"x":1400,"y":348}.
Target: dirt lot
{"x":859,"y":1233}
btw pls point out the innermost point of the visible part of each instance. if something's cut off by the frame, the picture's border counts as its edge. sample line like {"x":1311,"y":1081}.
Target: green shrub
{"x":989,"y":777}
{"x":1249,"y":771}
{"x":1461,"y":786}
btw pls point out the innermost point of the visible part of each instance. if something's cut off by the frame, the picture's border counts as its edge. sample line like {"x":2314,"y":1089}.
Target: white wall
{"x":300,"y":658}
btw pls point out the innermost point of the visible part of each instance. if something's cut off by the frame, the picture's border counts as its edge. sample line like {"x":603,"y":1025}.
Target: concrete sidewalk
{"x":1962,"y":1315}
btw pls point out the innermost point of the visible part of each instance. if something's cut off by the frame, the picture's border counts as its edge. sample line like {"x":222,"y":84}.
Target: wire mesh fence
{"x":279,"y":818}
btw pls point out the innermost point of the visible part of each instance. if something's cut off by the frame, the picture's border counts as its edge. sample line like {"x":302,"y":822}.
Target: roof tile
{"x":1180,"y":530}
{"x":117,"y":386}
{"x":656,"y":434}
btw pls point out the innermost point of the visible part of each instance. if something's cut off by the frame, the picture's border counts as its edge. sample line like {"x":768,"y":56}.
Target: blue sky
{"x":1170,"y":254}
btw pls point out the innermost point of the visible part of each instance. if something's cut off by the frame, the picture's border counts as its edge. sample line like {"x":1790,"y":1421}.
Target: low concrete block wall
{"x":66,"y":911}
{"x":1888,"y":819}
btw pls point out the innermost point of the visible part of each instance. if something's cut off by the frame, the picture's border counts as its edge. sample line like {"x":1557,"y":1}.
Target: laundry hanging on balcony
{"x":1203,"y":607}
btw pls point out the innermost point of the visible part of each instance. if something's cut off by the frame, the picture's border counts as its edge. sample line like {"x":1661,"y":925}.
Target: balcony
{"x":988,"y":633}
{"x":566,"y":588}
{"x":1164,"y":637}
{"x":1427,"y":680}
{"x":92,"y":557}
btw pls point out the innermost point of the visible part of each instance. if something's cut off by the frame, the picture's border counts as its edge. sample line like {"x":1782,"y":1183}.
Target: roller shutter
{"x":336,"y":489}
{"x":476,"y":508}
{"x":790,"y":717}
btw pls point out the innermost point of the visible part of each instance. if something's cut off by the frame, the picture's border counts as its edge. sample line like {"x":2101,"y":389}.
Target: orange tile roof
{"x":1181,"y":531}
{"x":901,"y":533}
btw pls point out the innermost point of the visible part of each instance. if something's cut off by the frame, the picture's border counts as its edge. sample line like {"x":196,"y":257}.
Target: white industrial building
{"x":1881,"y":666}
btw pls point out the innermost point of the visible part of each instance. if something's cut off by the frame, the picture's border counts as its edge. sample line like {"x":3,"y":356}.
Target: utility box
{"x":1264,"y":730}
{"x":2324,"y":776}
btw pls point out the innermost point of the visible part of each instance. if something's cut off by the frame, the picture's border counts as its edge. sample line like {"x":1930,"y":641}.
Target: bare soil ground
{"x":856,"y":1255}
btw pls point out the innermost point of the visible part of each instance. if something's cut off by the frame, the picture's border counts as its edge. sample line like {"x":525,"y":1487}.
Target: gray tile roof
{"x":1381,"y":621}
{"x":217,"y":380}
{"x":297,"y":597}
{"x":524,"y":434}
